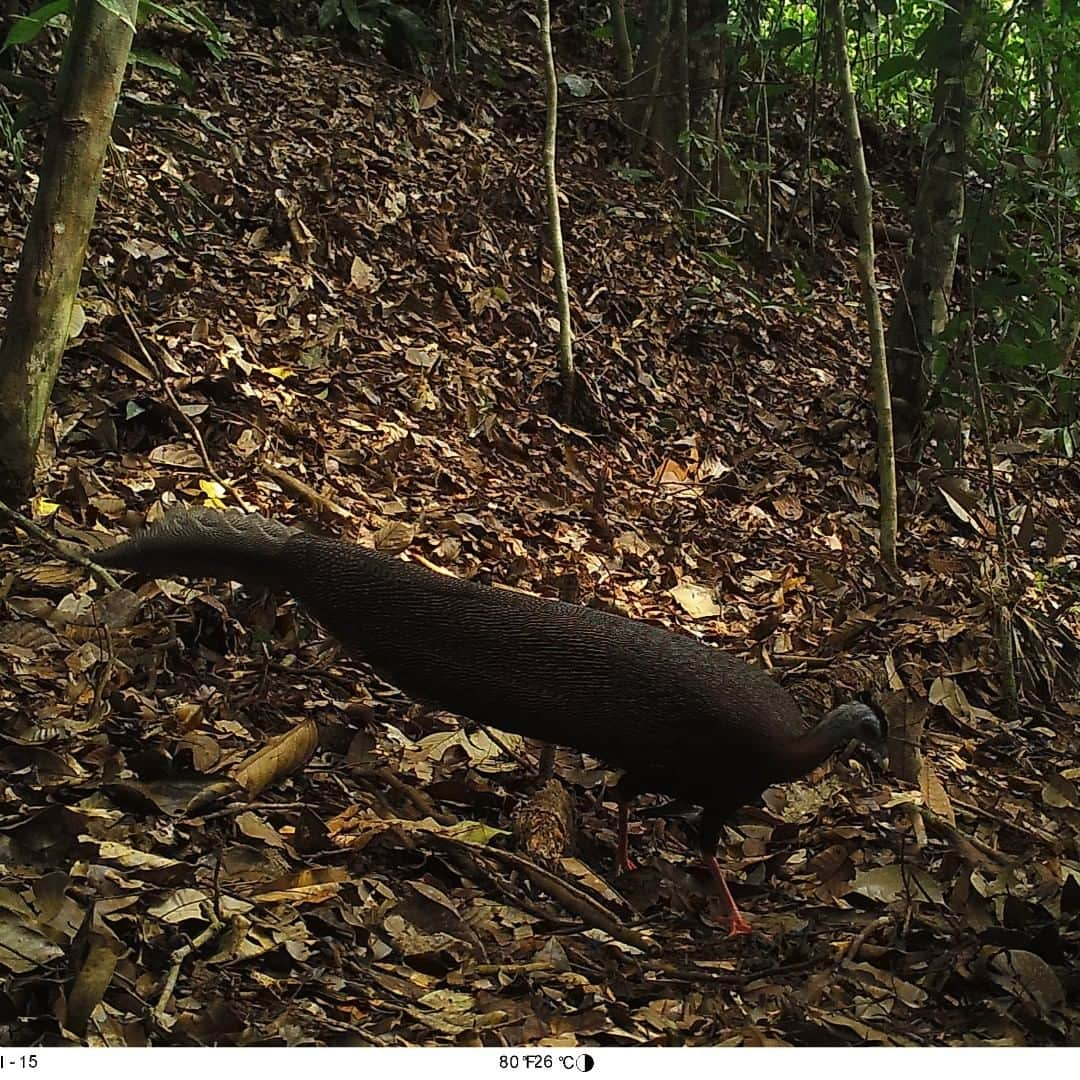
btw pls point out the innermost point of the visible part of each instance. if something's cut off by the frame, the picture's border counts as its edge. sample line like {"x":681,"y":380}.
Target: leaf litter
{"x":218,"y":829}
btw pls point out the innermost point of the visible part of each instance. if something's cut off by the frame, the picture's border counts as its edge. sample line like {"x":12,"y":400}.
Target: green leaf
{"x":153,"y":60}
{"x":27,"y":27}
{"x":788,"y":37}
{"x":149,"y":7}
{"x":352,"y":14}
{"x":328,"y":12}
{"x":1016,"y":356}
{"x":198,"y":16}
{"x":119,"y":10}
{"x":894,"y":66}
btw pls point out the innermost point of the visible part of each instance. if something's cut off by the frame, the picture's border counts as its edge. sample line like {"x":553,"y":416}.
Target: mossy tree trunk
{"x":922,"y":308}
{"x":48,"y":280}
{"x":674,"y":99}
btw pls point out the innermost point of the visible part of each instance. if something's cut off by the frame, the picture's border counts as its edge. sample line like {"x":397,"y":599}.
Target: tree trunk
{"x":645,"y":112}
{"x":922,"y":309}
{"x":864,"y":225}
{"x":567,"y":375}
{"x":48,"y":280}
{"x":675,"y":96}
{"x":620,"y":36}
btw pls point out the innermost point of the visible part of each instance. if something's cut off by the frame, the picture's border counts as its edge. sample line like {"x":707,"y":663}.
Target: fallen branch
{"x":72,"y":555}
{"x":305,"y":491}
{"x":178,"y":957}
{"x":573,"y":899}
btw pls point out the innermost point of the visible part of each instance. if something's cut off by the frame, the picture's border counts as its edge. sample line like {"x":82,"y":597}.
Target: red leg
{"x":739,"y":925}
{"x":625,"y":863}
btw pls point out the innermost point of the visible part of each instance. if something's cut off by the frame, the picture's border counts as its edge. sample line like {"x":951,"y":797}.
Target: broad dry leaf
{"x":894,"y":882}
{"x":92,"y":980}
{"x":1027,"y":977}
{"x":696,"y":600}
{"x":22,"y":946}
{"x":279,"y":758}
{"x":177,"y":455}
{"x":934,"y":794}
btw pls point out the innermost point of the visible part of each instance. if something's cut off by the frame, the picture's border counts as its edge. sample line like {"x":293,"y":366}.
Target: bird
{"x":677,"y":716}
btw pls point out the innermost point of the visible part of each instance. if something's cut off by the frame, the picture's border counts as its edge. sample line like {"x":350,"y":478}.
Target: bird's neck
{"x":806,"y":752}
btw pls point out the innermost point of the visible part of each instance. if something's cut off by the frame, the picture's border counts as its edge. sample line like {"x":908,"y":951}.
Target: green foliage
{"x":27,"y":27}
{"x":404,"y":37}
{"x":166,"y":67}
{"x":187,"y":16}
{"x":1019,"y":276}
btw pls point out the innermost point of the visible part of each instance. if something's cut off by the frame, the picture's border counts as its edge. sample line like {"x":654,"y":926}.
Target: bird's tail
{"x":226,"y":545}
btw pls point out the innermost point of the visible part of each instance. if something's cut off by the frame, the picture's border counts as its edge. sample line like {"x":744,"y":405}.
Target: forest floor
{"x":339,"y":280}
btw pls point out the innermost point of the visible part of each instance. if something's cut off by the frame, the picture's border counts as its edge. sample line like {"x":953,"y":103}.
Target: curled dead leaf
{"x":278,"y":758}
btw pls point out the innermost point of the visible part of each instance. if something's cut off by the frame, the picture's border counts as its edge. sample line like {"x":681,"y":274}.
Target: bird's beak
{"x":881,"y":755}
{"x":879,"y":752}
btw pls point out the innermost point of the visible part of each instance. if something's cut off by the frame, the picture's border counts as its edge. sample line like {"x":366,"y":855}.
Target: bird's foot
{"x":626,"y":865}
{"x":739,"y":926}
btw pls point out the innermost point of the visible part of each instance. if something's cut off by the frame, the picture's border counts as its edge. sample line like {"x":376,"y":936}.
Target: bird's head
{"x":860,"y":722}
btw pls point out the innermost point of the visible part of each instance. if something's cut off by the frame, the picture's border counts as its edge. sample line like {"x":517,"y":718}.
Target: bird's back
{"x":649,"y":700}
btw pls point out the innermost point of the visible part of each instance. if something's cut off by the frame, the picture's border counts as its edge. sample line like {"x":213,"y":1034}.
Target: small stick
{"x":512,"y":969}
{"x":851,"y":953}
{"x":573,"y":899}
{"x":305,"y":491}
{"x":699,"y":974}
{"x":979,"y":811}
{"x":99,"y":573}
{"x":418,"y":798}
{"x":524,"y":762}
{"x":961,"y":839}
{"x":178,"y":957}
{"x":182,"y":416}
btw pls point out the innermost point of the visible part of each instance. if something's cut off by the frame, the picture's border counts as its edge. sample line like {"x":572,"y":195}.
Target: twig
{"x":851,"y":953}
{"x":962,"y":840}
{"x":523,"y":761}
{"x":1031,"y":834}
{"x":434,"y":567}
{"x":791,"y":659}
{"x":693,"y":974}
{"x":572,"y":898}
{"x":178,"y":957}
{"x":240,"y":807}
{"x":418,"y":798}
{"x":155,"y":367}
{"x":305,"y":491}
{"x":512,"y":969}
{"x":104,"y":677}
{"x":99,"y":573}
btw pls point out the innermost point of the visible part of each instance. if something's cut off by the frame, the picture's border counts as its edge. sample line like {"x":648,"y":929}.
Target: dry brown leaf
{"x":176,"y":455}
{"x":282,"y":756}
{"x":697,"y":601}
{"x":934,"y":794}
